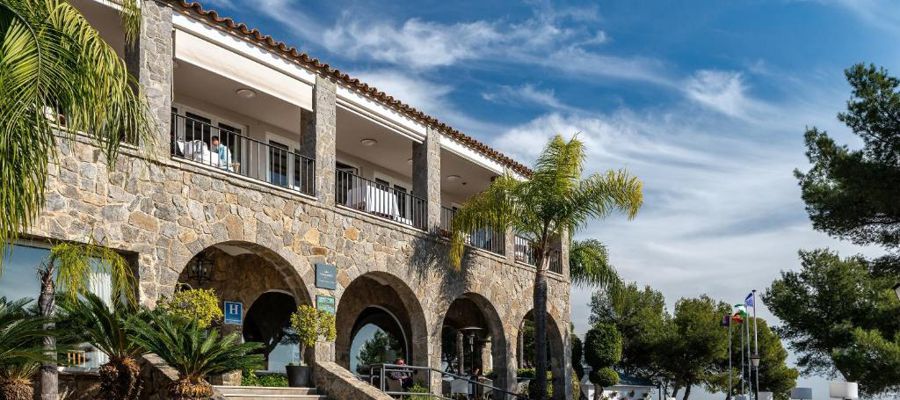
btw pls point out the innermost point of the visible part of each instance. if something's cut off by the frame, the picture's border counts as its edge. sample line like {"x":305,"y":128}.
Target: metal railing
{"x":380,"y":199}
{"x":485,"y":238}
{"x":526,"y":254}
{"x":234,"y":153}
{"x":388,"y":377}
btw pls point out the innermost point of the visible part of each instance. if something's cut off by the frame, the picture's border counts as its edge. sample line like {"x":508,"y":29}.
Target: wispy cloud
{"x":885,"y":14}
{"x":527,"y":94}
{"x":723,"y":91}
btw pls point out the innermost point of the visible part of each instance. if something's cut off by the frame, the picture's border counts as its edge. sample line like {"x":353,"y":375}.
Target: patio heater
{"x":470,"y":332}
{"x":200,"y":270}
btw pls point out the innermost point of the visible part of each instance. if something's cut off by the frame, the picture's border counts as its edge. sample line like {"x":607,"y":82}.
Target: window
{"x":402,"y":200}
{"x":19,"y":280}
{"x":278,"y":163}
{"x":230,"y":136}
{"x":344,"y":181}
{"x":197,"y":127}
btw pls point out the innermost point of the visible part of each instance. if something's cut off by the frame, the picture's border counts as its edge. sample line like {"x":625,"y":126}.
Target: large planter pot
{"x":298,"y":375}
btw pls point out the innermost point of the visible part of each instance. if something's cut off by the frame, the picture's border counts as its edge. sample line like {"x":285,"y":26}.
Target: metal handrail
{"x":485,"y":239}
{"x":410,"y":209}
{"x":384,"y":368}
{"x":248,"y":157}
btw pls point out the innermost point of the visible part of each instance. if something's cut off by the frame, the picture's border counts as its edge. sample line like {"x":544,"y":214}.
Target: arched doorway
{"x":266,"y":285}
{"x":473,"y":341}
{"x":525,"y":351}
{"x":379,"y":319}
{"x":268,"y":322}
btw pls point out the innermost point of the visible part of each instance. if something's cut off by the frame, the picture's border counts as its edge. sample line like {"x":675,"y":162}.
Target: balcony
{"x":525,"y":254}
{"x":224,"y":148}
{"x":485,"y":238}
{"x":381,"y":199}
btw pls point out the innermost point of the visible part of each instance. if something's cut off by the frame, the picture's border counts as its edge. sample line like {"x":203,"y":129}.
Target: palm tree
{"x":554,"y":200}
{"x":58,"y":77}
{"x":194,"y":352}
{"x":105,"y":328}
{"x":71,"y":267}
{"x":20,"y":349}
{"x":589,"y":265}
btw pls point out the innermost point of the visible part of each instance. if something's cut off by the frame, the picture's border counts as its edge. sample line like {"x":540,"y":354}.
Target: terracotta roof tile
{"x":196,"y":10}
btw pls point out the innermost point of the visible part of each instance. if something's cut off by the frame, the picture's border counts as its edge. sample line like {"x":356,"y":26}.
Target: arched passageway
{"x":473,"y":342}
{"x":264,"y":283}
{"x":379,"y":319}
{"x":268,"y":322}
{"x":525,"y":351}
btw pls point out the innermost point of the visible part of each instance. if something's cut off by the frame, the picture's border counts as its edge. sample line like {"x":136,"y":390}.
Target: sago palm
{"x":70,"y":268}
{"x":194,"y":352}
{"x":556,"y":199}
{"x":58,"y":77}
{"x":20,"y":349}
{"x":105,"y":328}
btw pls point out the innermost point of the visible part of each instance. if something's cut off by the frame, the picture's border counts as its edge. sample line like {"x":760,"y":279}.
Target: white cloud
{"x":525,"y":94}
{"x":723,"y":91}
{"x":882,"y":13}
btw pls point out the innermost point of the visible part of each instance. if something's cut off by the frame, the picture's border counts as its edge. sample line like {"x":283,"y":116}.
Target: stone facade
{"x":163,"y":212}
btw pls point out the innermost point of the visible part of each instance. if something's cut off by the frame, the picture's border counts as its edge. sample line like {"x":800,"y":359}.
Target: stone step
{"x":268,"y":393}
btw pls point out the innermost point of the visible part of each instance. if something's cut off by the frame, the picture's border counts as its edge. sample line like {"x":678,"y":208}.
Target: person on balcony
{"x":223,"y":152}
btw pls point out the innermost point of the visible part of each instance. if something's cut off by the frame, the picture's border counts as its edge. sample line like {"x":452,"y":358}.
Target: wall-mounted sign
{"x":326,"y":276}
{"x":325,"y":303}
{"x":234,"y":313}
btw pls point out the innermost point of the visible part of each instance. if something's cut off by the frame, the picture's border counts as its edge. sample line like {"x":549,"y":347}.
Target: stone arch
{"x":386,"y":292}
{"x":290,"y":272}
{"x":473,"y":309}
{"x":557,"y":352}
{"x":266,"y":321}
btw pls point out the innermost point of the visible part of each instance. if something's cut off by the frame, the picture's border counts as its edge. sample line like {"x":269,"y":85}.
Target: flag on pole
{"x":726,"y":320}
{"x":741,"y":309}
{"x":749,"y":302}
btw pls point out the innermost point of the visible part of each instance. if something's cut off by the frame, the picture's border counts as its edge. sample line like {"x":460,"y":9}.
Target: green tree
{"x":834,"y":308}
{"x":193,"y":351}
{"x":555,"y":200}
{"x":381,"y":348}
{"x":774,"y":374}
{"x":577,"y":356}
{"x":697,"y":343}
{"x":640,"y":315}
{"x":201,"y":305}
{"x":53,"y":59}
{"x":69,"y":269}
{"x":602,"y":350}
{"x":105,"y":327}
{"x":852,"y":194}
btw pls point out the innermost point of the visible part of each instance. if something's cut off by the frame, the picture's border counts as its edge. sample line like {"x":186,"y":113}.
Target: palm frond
{"x":495,"y":208}
{"x":600,"y":194}
{"x":103,"y":327}
{"x":53,"y":66}
{"x":589,"y":264}
{"x":21,"y":335}
{"x":192,"y":351}
{"x":76,"y":263}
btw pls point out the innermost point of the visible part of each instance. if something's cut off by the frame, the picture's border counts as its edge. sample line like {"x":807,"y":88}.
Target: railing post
{"x":318,"y":133}
{"x":150,"y":60}
{"x":427,"y":176}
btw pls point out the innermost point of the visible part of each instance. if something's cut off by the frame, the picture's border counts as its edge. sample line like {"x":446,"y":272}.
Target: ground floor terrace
{"x":268,"y":249}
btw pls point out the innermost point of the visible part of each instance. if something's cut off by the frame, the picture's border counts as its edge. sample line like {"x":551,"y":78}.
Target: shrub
{"x":604,"y":377}
{"x":418,"y":388}
{"x":200,"y":305}
{"x":309,"y":324}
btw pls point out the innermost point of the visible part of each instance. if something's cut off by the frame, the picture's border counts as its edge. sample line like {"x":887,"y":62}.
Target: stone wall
{"x":164,"y":212}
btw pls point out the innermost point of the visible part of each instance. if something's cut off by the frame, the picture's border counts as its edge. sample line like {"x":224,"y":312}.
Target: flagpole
{"x":749,"y":363}
{"x":755,"y":343}
{"x":743,"y":382}
{"x":730,"y":369}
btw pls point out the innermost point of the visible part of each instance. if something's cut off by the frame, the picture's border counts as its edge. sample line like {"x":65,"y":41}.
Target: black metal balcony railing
{"x":486,"y":238}
{"x":380,"y":199}
{"x":525,"y":253}
{"x":192,"y":139}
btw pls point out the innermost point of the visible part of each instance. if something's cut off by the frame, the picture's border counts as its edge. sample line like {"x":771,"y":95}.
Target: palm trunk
{"x":16,"y":389}
{"x":540,"y":328}
{"x":120,"y":380}
{"x":675,"y":391}
{"x":47,"y":304}
{"x":687,"y":392}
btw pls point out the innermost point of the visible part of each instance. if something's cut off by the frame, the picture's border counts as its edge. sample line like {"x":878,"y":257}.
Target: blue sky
{"x":706,"y":101}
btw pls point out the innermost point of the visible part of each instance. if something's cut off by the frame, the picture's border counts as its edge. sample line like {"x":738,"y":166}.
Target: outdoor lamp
{"x":200,"y":270}
{"x":897,"y":290}
{"x":754,"y":360}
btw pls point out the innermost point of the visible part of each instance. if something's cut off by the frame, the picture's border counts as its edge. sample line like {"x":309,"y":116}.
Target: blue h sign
{"x":234,"y":311}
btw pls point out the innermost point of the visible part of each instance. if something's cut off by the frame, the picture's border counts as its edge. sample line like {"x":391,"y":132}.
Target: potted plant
{"x":193,"y":352}
{"x":309,"y":324}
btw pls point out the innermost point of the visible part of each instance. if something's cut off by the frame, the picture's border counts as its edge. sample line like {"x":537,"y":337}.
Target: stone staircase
{"x":268,"y":393}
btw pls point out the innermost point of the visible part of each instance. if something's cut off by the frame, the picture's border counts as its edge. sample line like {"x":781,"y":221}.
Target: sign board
{"x":234,"y":313}
{"x":325,"y":303}
{"x":326,"y":276}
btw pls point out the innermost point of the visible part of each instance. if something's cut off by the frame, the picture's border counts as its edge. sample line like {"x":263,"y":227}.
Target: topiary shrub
{"x":310,"y":324}
{"x":199,"y":305}
{"x":604,"y":377}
